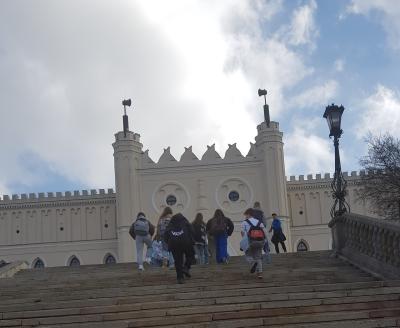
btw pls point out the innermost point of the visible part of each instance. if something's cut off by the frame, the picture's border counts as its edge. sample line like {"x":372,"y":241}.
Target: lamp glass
{"x":333,"y":115}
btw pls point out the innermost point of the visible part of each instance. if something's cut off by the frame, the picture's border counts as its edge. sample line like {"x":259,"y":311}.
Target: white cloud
{"x":303,"y":30}
{"x":339,"y":65}
{"x":191,"y":68}
{"x":389,"y":18}
{"x":380,"y":113}
{"x":318,"y":95}
{"x":307,"y":150}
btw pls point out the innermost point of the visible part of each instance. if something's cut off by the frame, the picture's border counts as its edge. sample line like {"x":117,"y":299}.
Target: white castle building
{"x":92,"y":227}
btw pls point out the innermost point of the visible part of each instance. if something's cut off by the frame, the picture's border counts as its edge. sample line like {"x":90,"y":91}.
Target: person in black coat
{"x":179,"y":237}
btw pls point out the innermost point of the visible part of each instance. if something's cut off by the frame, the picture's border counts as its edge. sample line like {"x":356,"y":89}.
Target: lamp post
{"x":333,"y":115}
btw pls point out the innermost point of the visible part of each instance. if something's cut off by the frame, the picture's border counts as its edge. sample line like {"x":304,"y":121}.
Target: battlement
{"x":327,"y":177}
{"x":57,"y":196}
{"x":210,"y":156}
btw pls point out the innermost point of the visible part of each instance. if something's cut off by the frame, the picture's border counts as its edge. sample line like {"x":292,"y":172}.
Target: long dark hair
{"x":167,"y":210}
{"x":218,"y":214}
{"x":198,"y":219}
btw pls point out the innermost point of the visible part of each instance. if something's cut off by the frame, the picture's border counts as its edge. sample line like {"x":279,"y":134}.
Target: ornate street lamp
{"x":333,"y":115}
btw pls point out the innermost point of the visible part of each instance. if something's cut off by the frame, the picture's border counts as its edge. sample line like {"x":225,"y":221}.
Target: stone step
{"x":193,"y":304}
{"x":188,"y":290}
{"x":230,"y":317}
{"x":297,"y":290}
{"x":174,"y":294}
{"x":166,"y":281}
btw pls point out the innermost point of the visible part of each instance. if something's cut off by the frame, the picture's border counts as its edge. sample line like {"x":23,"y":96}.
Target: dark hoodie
{"x":177,"y":224}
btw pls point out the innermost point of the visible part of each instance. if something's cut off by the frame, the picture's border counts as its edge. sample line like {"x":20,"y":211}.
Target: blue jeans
{"x":201,"y":251}
{"x":221,"y":244}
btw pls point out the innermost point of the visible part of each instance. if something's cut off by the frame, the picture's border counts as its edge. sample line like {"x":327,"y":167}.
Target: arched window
{"x":110,"y":259}
{"x":302,"y":246}
{"x":38,"y":264}
{"x":74,"y":262}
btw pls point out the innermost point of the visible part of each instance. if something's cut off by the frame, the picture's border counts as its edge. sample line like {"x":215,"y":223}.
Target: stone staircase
{"x":309,"y":289}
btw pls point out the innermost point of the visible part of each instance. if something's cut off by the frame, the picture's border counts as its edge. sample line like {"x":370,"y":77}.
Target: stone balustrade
{"x":372,"y":244}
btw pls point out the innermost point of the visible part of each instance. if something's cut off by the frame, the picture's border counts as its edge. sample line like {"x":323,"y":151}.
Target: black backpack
{"x":255,"y":233}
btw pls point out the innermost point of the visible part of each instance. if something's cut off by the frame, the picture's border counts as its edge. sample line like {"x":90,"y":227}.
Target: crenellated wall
{"x":57,"y":226}
{"x":57,"y":218}
{"x":310,"y":202}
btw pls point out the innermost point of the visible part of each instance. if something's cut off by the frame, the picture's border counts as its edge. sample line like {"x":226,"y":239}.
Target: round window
{"x":233,"y":196}
{"x":171,"y":200}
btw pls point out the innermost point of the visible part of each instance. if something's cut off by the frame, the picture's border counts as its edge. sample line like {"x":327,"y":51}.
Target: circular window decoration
{"x":233,"y":196}
{"x":171,"y":200}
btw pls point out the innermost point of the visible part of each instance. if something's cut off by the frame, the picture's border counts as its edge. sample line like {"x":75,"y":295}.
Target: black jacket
{"x":177,"y":222}
{"x":228,"y":222}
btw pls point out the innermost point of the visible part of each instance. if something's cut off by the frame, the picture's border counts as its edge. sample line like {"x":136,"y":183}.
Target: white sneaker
{"x":141,"y":268}
{"x":148,"y":260}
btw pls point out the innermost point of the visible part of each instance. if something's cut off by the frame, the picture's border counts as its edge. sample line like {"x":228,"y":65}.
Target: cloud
{"x":192,"y":70}
{"x":316,"y":96}
{"x":389,"y":16}
{"x":339,"y":65}
{"x":307,"y":151}
{"x":380,"y":113}
{"x":303,"y":30}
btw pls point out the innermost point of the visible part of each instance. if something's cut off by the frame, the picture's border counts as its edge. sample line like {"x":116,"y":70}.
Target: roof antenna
{"x":263,"y":92}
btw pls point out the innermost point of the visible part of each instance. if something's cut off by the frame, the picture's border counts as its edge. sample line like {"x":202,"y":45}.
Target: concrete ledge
{"x":12,"y":268}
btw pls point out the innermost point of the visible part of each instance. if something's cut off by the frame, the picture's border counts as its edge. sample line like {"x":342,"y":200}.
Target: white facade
{"x":92,"y":227}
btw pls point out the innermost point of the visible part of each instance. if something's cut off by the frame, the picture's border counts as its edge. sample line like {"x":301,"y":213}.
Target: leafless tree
{"x":381,"y":183}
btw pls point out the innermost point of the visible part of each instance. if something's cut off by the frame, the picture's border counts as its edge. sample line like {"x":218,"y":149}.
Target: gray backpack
{"x":141,"y":226}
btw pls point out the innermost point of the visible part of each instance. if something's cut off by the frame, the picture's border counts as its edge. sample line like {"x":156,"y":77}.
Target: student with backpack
{"x":179,"y":238}
{"x":256,"y":234}
{"x":141,"y":230}
{"x":200,"y":239}
{"x":220,"y":227}
{"x":259,"y":214}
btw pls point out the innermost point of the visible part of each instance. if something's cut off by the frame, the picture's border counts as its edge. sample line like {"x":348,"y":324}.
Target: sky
{"x":192,"y":69}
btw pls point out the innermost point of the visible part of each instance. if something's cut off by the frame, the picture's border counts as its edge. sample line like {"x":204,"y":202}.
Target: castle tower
{"x":127,"y":159}
{"x":269,"y":149}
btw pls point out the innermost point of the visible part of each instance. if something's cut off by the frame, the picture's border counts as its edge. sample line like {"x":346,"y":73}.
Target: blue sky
{"x":192,"y":69}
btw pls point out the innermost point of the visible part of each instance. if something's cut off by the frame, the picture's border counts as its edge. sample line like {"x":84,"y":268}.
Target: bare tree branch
{"x":381,"y":183}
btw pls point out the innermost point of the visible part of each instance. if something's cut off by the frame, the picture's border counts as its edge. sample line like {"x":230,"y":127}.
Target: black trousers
{"x":277,"y":246}
{"x":179,"y":252}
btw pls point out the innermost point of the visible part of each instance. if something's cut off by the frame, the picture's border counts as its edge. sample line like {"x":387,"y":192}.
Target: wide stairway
{"x":308,"y":289}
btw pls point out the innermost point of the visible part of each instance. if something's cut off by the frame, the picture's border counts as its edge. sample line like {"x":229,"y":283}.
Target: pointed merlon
{"x":233,"y":153}
{"x":146,"y":158}
{"x":252,"y":150}
{"x":211,"y":154}
{"x":188,"y":155}
{"x":166,"y":157}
